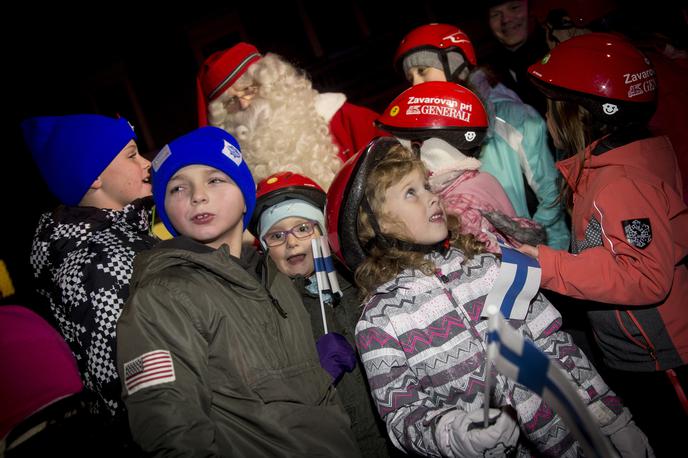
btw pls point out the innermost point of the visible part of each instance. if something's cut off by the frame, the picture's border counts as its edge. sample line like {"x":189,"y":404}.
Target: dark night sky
{"x":57,"y":60}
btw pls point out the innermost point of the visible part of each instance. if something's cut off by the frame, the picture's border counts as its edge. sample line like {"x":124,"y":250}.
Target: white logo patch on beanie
{"x":161,"y":157}
{"x":232,"y":152}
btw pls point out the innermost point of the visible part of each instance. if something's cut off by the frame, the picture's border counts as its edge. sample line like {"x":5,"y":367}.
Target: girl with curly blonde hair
{"x":421,"y":337}
{"x":385,"y":261}
{"x":281,"y":122}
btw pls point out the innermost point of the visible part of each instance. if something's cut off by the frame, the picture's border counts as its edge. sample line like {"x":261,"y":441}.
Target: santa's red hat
{"x":219,"y":71}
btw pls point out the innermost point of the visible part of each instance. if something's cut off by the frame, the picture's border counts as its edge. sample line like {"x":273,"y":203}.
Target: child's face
{"x":417,"y":75}
{"x":294,"y":256}
{"x":127,"y":178}
{"x":410,"y":202}
{"x":203,"y":203}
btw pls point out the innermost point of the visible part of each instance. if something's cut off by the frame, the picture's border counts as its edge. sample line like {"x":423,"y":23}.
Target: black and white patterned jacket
{"x":82,"y":260}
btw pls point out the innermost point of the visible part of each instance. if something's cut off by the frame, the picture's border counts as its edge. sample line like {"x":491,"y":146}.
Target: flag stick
{"x":491,"y":313}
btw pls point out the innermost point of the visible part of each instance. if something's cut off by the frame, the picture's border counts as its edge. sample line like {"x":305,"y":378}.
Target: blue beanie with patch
{"x":71,"y":151}
{"x":209,"y":146}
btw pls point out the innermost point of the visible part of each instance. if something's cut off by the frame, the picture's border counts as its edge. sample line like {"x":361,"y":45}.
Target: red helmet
{"x":284,"y":186}
{"x":437,"y":109}
{"x":344,"y":199}
{"x":602,"y":72}
{"x":441,"y":38}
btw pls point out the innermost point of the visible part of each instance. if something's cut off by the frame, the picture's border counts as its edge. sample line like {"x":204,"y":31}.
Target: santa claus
{"x":281,"y":122}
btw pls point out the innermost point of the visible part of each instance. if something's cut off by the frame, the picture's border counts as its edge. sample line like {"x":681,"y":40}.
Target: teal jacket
{"x":516,"y":146}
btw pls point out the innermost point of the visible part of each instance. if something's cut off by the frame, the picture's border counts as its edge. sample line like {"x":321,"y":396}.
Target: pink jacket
{"x":468,"y":195}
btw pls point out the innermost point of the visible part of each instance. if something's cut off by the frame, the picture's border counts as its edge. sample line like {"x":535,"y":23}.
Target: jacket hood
{"x":185,"y":252}
{"x":69,"y":226}
{"x":652,"y":156}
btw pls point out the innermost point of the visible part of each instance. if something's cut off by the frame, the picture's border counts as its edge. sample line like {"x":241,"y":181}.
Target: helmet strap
{"x":445,"y":66}
{"x":452,"y":77}
{"x":387,"y":243}
{"x":381,"y":240}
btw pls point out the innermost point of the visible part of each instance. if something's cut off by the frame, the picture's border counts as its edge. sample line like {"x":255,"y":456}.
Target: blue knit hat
{"x":71,"y":151}
{"x":209,"y":146}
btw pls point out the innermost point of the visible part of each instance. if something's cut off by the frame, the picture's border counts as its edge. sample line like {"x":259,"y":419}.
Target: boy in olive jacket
{"x":214,"y":348}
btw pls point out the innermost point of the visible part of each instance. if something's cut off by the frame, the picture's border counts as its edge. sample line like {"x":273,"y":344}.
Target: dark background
{"x":141,"y":60}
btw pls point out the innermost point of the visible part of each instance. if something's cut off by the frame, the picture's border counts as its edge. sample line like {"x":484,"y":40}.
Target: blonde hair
{"x":281,"y":129}
{"x":575,"y":128}
{"x":383,"y":264}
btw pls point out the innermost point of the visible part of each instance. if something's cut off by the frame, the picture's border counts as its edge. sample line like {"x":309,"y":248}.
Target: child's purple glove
{"x":336,"y":355}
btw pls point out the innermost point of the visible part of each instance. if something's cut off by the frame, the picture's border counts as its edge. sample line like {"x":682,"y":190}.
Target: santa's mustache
{"x":242,"y":122}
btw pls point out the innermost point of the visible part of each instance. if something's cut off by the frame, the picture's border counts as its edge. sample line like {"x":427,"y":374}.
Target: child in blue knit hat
{"x":214,"y":346}
{"x":83,"y":251}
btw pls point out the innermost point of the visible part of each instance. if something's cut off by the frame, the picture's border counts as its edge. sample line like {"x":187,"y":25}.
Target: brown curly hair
{"x":381,"y":264}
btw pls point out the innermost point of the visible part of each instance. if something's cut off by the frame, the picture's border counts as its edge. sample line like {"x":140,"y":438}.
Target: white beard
{"x":289,"y":135}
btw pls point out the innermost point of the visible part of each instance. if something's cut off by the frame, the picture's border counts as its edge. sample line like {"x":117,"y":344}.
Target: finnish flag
{"x":516,"y":285}
{"x":324,"y":267}
{"x":520,"y":360}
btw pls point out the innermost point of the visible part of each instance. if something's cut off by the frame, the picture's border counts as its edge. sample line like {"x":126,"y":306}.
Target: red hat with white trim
{"x":219,"y":72}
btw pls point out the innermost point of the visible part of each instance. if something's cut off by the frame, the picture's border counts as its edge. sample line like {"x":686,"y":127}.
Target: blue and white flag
{"x":324,"y":267}
{"x":328,"y":264}
{"x":325,"y":275}
{"x":517,"y":284}
{"x":520,"y":360}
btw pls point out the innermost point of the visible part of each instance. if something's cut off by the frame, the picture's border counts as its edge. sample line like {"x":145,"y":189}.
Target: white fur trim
{"x":441,"y":157}
{"x":328,"y":103}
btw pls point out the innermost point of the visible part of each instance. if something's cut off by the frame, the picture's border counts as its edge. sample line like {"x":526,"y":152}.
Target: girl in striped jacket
{"x":421,"y":338}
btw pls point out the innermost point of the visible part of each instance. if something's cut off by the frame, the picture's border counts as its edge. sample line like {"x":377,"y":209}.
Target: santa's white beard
{"x":285,"y":136}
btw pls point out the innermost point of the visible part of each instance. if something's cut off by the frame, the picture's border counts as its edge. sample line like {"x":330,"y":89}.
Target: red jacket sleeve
{"x":352,"y":127}
{"x":618,"y":272}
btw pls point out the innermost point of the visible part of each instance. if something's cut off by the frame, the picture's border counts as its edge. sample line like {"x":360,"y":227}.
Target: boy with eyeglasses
{"x":214,"y":347}
{"x":287,"y":218}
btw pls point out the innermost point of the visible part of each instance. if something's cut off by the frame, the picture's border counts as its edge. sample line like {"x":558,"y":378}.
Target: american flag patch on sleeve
{"x":149,"y":369}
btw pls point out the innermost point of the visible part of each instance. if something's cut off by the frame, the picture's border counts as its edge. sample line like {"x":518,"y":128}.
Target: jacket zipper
{"x":264,"y":283}
{"x":276,"y":304}
{"x":649,"y":347}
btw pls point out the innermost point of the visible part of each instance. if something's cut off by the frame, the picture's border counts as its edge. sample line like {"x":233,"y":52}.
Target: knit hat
{"x":209,"y":146}
{"x":71,"y":151}
{"x":431,"y":58}
{"x":288,"y":208}
{"x":219,"y":72}
{"x":38,"y":369}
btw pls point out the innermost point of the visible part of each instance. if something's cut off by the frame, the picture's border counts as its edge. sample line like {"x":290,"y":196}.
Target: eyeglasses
{"x":300,"y":231}
{"x":246,"y":94}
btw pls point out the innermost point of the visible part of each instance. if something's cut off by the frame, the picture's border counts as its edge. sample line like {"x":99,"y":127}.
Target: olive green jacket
{"x":247,"y":380}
